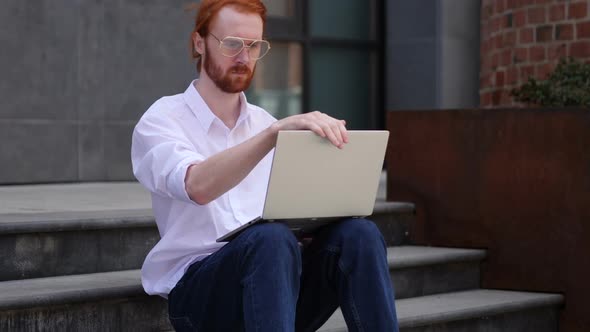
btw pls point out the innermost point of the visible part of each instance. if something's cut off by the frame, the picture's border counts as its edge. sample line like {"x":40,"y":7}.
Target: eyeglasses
{"x":231,"y":46}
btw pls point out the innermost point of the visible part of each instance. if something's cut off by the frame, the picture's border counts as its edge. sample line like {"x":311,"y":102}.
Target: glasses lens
{"x":259,"y":48}
{"x":231,"y":46}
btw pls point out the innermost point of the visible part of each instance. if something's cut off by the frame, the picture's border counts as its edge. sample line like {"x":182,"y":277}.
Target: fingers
{"x":321,"y":124}
{"x":334,"y":129}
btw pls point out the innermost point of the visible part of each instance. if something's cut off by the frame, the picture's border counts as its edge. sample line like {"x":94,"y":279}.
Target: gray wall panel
{"x":460,"y":21}
{"x":409,"y":73}
{"x":147,"y":55}
{"x":92,"y":163}
{"x":38,"y":151}
{"x":432,"y":54}
{"x":117,"y":151}
{"x":411,"y":20}
{"x":84,"y":71}
{"x":38,"y":59}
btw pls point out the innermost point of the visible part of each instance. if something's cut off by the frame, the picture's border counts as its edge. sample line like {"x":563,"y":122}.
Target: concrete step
{"x":36,"y":245}
{"x":114,"y":301}
{"x":112,"y":295}
{"x":474,"y":310}
{"x":418,"y":271}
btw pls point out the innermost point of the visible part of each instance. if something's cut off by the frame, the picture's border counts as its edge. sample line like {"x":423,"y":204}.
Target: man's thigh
{"x":210,"y":294}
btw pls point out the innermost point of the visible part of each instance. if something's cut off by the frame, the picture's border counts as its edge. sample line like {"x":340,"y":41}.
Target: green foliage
{"x":567,"y":85}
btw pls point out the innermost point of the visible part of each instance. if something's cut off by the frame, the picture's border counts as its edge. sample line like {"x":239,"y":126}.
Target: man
{"x":205,"y":156}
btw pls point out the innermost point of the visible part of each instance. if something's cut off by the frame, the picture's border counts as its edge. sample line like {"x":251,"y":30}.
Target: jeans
{"x":263,"y":281}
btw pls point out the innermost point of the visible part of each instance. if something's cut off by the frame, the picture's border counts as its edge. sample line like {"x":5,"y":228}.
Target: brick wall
{"x":526,"y":38}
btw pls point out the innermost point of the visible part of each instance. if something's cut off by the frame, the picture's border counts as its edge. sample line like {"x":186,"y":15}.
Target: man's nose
{"x":244,"y":55}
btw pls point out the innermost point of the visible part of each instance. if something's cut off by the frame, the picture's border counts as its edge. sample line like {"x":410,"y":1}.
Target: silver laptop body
{"x":313,"y":183}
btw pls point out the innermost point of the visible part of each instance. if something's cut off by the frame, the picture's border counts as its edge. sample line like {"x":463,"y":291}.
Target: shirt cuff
{"x":176,"y":183}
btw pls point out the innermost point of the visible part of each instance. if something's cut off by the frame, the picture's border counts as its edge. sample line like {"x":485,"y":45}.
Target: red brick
{"x":499,"y":79}
{"x":557,"y":13}
{"x":580,"y":49}
{"x":564,"y":32}
{"x":495,"y":60}
{"x":578,"y":10}
{"x":511,"y":4}
{"x":496,"y":97}
{"x":499,"y":41}
{"x":583,"y":30}
{"x":505,"y":98}
{"x":487,"y":11}
{"x":556,"y":52}
{"x":500,"y":6}
{"x":544,"y":33}
{"x":510,"y":38}
{"x":521,"y":54}
{"x":519,"y":18}
{"x":544,"y":70}
{"x":526,"y":36}
{"x":485,"y":99}
{"x":542,"y":2}
{"x":506,"y":57}
{"x":512,"y":75}
{"x":536,"y":15}
{"x":496,"y":24}
{"x":537,"y":53}
{"x":526,"y":72}
{"x":485,"y":81}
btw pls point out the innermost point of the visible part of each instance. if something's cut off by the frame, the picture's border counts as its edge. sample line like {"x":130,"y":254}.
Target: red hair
{"x":207,"y":11}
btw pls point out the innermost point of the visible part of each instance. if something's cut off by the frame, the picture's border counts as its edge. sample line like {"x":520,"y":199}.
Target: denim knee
{"x":272,"y":236}
{"x":360,"y":230}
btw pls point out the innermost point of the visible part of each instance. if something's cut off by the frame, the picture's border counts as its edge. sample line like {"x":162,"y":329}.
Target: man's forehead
{"x":231,"y":22}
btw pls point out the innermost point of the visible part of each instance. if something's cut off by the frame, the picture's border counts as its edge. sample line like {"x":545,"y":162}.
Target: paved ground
{"x":83,"y":197}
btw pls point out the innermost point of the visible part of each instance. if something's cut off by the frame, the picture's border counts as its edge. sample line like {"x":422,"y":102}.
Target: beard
{"x":236,"y":79}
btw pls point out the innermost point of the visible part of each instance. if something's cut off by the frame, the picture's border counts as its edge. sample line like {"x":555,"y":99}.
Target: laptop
{"x":313,"y":183}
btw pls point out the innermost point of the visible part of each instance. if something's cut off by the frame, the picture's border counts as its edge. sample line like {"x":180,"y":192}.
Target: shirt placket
{"x":234,"y":201}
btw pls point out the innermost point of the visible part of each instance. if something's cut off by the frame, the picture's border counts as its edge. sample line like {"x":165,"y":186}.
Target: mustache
{"x":240,"y":69}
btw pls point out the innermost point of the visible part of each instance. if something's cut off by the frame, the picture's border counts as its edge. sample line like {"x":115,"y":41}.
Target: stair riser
{"x":394,"y":227}
{"x":545,"y":319}
{"x":150,"y":314}
{"x":36,"y":255}
{"x":47,"y":254}
{"x":435,"y":279}
{"x":130,"y":314}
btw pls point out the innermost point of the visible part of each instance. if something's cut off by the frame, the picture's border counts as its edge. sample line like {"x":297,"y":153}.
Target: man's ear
{"x":199,"y":43}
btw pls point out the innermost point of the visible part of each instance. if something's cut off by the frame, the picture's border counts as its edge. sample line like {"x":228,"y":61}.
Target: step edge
{"x":386,"y":207}
{"x":86,"y":293}
{"x":544,"y":300}
{"x":459,"y":256}
{"x":91,"y":220}
{"x":549,"y":300}
{"x":81,"y":224}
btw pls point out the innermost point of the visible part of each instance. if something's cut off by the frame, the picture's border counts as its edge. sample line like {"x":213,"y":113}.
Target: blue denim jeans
{"x":264,"y":281}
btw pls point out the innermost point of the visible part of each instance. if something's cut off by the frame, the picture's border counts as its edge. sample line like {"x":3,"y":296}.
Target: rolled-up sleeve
{"x":161,"y":155}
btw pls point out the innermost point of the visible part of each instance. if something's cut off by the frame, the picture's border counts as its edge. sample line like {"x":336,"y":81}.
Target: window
{"x":326,"y":55}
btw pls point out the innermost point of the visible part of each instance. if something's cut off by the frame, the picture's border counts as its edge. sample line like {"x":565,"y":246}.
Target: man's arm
{"x":216,"y":175}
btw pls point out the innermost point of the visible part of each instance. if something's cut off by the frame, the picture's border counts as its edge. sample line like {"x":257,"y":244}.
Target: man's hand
{"x":219,"y":173}
{"x":321,"y":124}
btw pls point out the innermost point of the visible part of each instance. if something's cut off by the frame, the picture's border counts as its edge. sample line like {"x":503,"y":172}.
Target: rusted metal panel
{"x":514,"y":181}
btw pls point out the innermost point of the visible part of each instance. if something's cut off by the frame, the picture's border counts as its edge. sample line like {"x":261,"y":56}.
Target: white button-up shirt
{"x":175,"y":132}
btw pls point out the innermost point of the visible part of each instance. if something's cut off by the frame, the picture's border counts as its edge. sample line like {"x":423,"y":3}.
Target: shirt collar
{"x":201,"y":110}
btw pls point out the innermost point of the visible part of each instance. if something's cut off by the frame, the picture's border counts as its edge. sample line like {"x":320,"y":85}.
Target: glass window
{"x":347,"y":19}
{"x":341,"y":85}
{"x":280,"y":8}
{"x":276,"y":86}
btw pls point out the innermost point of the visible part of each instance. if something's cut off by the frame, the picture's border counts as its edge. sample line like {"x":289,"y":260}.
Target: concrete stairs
{"x":77,"y":270}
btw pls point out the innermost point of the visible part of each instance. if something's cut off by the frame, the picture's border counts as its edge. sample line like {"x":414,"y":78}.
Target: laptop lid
{"x":311,"y":178}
